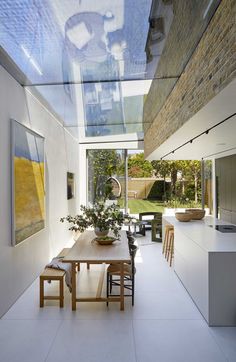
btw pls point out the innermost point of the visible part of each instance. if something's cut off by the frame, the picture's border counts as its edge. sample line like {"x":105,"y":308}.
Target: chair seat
{"x":114,"y":269}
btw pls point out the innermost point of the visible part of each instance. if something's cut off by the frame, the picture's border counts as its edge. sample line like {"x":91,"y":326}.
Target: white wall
{"x":20,"y":265}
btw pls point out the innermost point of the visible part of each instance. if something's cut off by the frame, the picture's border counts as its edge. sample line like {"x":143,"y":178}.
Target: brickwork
{"x":211,"y":67}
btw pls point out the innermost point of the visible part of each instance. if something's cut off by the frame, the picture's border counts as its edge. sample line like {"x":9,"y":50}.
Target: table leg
{"x":122,"y":301}
{"x":73,"y":291}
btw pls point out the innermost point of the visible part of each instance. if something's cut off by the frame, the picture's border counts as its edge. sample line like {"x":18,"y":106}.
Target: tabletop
{"x":86,"y":249}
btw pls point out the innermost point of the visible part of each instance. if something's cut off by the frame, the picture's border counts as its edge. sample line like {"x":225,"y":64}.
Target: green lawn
{"x":137,"y":205}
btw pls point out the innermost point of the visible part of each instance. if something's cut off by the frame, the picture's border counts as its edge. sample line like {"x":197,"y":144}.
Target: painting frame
{"x":28,"y":216}
{"x":70,"y":179}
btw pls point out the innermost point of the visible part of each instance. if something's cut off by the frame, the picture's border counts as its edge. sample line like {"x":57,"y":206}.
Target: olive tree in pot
{"x":103,"y":219}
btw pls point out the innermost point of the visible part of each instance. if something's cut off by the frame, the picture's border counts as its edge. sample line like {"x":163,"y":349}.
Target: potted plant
{"x":103,"y":219}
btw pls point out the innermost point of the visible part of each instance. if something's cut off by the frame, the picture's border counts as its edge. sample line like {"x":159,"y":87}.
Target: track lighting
{"x":199,"y":135}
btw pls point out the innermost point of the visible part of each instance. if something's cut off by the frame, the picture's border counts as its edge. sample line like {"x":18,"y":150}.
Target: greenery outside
{"x":137,"y":205}
{"x":177,"y":185}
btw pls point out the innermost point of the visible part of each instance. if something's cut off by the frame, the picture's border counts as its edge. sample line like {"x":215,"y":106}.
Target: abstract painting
{"x":70,"y":185}
{"x":28,"y":191}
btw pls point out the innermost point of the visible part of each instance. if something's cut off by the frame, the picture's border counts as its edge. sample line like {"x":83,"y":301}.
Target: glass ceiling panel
{"x":56,"y":41}
{"x":91,"y":61}
{"x":97,"y":109}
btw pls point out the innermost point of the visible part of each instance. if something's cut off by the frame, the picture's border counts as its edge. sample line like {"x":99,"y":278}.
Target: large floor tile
{"x":26,"y":341}
{"x":226,"y":339}
{"x":175,"y":341}
{"x":94,"y":341}
{"x":166,"y":323}
{"x":27,"y":306}
{"x":165,"y":305}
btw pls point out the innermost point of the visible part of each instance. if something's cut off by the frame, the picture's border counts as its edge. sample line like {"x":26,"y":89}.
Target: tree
{"x":161,"y":169}
{"x":186,"y":171}
{"x":101,"y":165}
{"x":138,"y":166}
{"x":194,"y":171}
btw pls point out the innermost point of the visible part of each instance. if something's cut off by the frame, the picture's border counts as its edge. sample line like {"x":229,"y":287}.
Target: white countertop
{"x":208,"y":238}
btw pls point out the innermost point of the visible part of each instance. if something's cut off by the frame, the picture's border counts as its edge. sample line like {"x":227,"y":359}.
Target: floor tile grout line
{"x":220,"y":348}
{"x":53,"y":340}
{"x":107,"y":319}
{"x":134,"y":341}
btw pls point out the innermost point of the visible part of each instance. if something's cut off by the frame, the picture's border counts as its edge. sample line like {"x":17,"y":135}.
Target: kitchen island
{"x":205,"y":262}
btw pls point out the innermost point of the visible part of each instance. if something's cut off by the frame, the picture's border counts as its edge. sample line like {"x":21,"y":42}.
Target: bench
{"x":50,"y":274}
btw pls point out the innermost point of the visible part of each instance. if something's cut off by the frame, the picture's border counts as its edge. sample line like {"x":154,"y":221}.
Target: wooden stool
{"x":170,"y":251}
{"x":52,"y":274}
{"x":168,"y":227}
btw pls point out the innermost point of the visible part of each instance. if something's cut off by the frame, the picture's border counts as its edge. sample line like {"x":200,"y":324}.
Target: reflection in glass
{"x":106,"y":176}
{"x":78,"y":54}
{"x":208,"y":194}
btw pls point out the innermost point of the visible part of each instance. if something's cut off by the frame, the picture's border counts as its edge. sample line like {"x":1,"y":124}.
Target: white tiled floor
{"x":164,"y":325}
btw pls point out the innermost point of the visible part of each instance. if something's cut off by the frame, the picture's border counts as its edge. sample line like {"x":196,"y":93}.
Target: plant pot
{"x":100,"y":233}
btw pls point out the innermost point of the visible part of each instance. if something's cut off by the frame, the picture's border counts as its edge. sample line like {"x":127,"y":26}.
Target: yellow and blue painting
{"x":28,"y":182}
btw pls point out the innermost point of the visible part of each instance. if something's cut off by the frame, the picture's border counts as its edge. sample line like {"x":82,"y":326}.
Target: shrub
{"x":157,"y":190}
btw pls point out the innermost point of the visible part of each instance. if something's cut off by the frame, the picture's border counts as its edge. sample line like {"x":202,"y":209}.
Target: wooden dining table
{"x":87,"y":250}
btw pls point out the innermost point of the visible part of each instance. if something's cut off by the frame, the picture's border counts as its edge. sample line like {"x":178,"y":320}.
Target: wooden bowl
{"x":197,"y":214}
{"x":183,"y":216}
{"x":107,"y":240}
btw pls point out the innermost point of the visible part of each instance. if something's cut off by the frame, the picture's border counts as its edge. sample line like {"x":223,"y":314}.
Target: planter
{"x":100,"y":233}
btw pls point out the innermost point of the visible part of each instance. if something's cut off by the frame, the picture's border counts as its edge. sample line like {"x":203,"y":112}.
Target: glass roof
{"x":56,"y":41}
{"x":92,"y":62}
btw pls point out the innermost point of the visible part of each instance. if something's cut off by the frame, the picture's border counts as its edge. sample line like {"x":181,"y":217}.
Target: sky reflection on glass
{"x":77,"y":54}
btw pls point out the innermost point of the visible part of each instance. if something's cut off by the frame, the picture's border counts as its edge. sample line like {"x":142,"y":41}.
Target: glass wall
{"x":208,"y":187}
{"x":106,"y":176}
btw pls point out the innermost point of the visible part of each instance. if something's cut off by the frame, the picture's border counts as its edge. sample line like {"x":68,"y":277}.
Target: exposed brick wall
{"x":211,"y":67}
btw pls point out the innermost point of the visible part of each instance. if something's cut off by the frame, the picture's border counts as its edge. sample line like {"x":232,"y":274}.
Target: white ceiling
{"x":219,"y":142}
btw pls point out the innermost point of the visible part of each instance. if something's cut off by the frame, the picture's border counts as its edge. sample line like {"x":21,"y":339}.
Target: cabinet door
{"x":225,"y":215}
{"x":191,"y":266}
{"x":233,"y":185}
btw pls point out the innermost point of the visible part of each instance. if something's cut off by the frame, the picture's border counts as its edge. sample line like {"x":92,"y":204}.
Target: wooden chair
{"x":131,"y":240}
{"x":50,"y":274}
{"x":157,"y":228}
{"x":113,"y":275}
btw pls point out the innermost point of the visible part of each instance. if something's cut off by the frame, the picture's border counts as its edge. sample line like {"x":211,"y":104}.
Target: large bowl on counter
{"x":183,"y":216}
{"x":197,"y":214}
